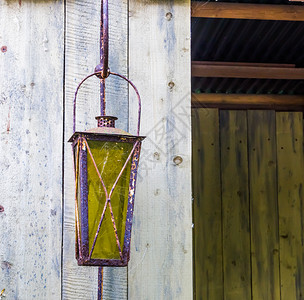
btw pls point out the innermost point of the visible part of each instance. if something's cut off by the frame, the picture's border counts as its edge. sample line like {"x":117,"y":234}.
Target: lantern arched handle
{"x":114,"y":74}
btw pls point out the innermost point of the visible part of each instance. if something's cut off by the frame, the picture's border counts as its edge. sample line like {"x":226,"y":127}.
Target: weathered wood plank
{"x":235,"y":205}
{"x":82,"y":55}
{"x":161,"y":254}
{"x":247,"y":11}
{"x":290,"y":198}
{"x":115,"y":285}
{"x":263,"y":205}
{"x":207,"y":204}
{"x":266,"y":101}
{"x":201,"y":69}
{"x":31,"y":70}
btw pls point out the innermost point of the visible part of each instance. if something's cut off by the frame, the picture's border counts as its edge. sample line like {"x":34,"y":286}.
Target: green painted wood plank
{"x":235,"y":205}
{"x":290,"y":199}
{"x":207,"y":204}
{"x":263,"y":205}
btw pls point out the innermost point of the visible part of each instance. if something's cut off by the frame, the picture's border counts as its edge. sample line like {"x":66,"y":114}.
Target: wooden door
{"x":248,"y":176}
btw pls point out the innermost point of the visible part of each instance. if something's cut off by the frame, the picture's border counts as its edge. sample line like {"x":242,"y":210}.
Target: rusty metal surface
{"x":100,"y":283}
{"x":106,"y":121}
{"x":114,"y":74}
{"x":105,"y":131}
{"x":79,"y":142}
{"x":104,"y":137}
{"x":83,"y":184}
{"x":82,"y":150}
{"x":83,"y":255}
{"x":130,"y":210}
{"x":138,"y":97}
{"x":109,"y":131}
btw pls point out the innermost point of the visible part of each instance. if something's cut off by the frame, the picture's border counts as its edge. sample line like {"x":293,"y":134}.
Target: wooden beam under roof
{"x":246,"y":101}
{"x":247,"y":11}
{"x":245,"y":70}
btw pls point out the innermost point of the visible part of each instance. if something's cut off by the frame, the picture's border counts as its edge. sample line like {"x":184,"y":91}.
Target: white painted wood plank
{"x":159,"y":58}
{"x":31,"y":89}
{"x":115,"y":284}
{"x":82,"y":55}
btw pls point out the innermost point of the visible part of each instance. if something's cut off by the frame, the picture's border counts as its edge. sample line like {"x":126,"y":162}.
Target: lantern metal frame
{"x":79,"y":142}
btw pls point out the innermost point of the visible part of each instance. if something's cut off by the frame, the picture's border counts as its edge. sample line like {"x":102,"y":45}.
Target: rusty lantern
{"x":105,"y":162}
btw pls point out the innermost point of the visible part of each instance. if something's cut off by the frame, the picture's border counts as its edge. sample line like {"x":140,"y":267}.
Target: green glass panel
{"x":109,"y":158}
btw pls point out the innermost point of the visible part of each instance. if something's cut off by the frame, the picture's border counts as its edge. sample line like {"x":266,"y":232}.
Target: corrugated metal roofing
{"x":248,"y":41}
{"x":253,"y":41}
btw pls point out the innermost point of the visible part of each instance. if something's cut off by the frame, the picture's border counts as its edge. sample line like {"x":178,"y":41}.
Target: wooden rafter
{"x":244,"y":64}
{"x":248,"y":70}
{"x":247,"y":11}
{"x":279,"y":102}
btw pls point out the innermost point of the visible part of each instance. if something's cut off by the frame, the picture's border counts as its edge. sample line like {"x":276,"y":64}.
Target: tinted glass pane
{"x":110,"y":158}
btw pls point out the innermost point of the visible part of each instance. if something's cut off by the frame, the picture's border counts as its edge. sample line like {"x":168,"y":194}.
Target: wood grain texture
{"x":82,"y":55}
{"x":115,"y":286}
{"x":159,"y":47}
{"x":247,"y":11}
{"x":290,"y":198}
{"x":207,"y":205}
{"x":199,"y":69}
{"x":31,"y":70}
{"x":235,"y":205}
{"x":266,"y":101}
{"x":263,"y":205}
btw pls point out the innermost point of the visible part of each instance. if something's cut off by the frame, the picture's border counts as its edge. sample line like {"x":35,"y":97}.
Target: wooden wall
{"x":248,"y":181}
{"x":31,"y":135}
{"x":161,"y":260}
{"x":49,"y":47}
{"x":81,"y":56}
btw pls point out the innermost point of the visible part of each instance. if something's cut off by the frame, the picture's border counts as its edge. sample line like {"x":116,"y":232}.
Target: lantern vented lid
{"x":106,"y":127}
{"x":106,"y":121}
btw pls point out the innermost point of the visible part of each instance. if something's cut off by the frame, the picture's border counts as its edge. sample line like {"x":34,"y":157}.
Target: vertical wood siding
{"x":291,"y":200}
{"x":207,"y":214}
{"x":49,"y":47}
{"x":82,"y":55}
{"x":161,"y":254}
{"x":31,"y":110}
{"x":262,"y":212}
{"x":115,"y":285}
{"x":235,"y":205}
{"x":263,"y":205}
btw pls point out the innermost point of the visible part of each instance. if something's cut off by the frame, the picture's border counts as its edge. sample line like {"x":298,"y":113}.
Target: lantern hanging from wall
{"x":106,"y":161}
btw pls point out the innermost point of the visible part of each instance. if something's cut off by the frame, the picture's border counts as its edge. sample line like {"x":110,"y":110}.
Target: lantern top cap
{"x":106,"y":121}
